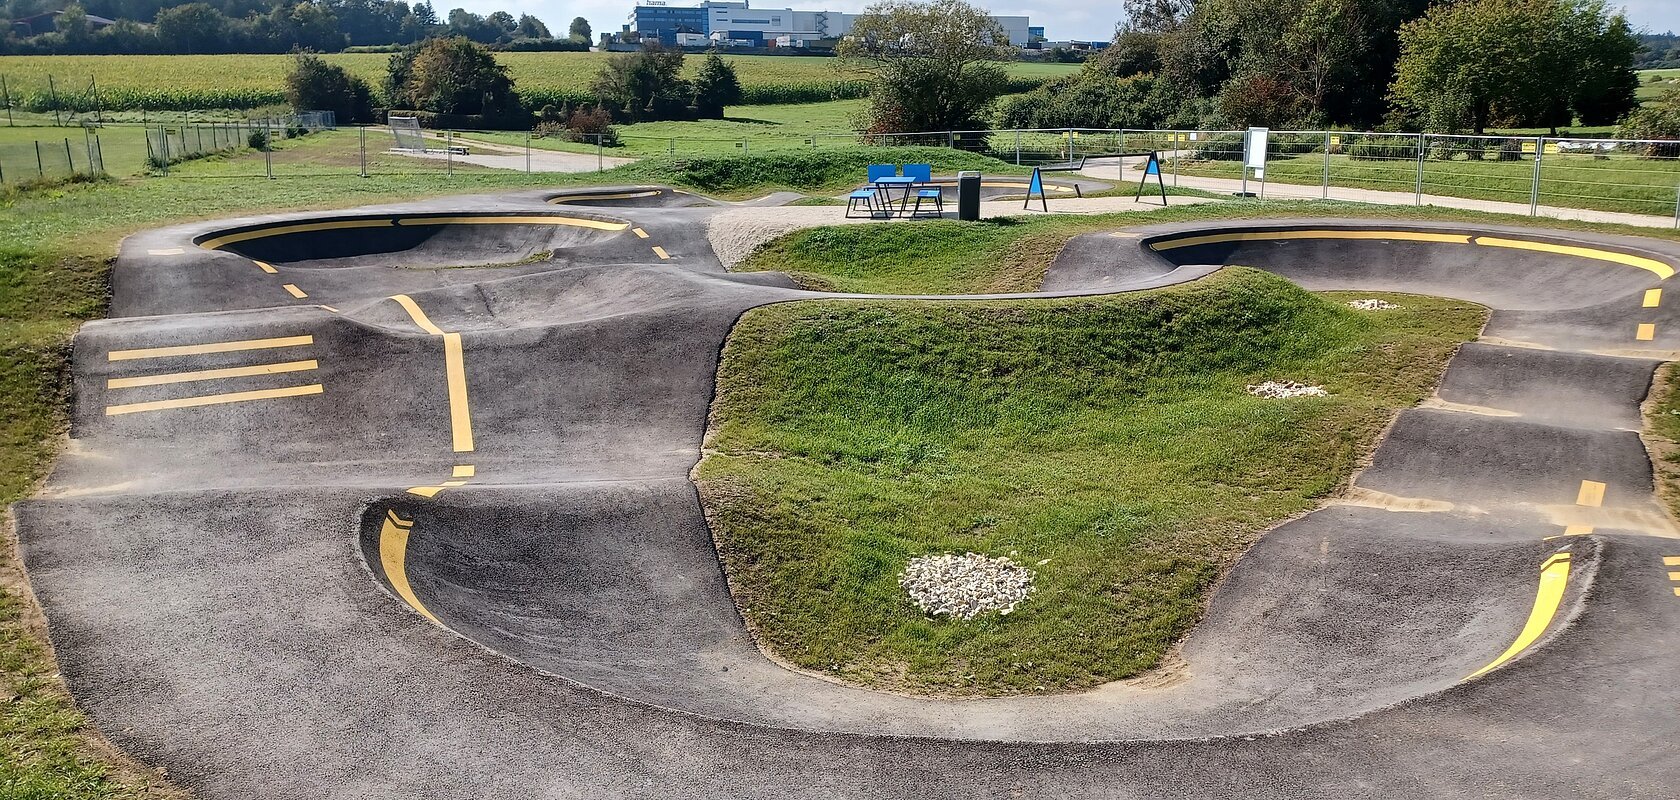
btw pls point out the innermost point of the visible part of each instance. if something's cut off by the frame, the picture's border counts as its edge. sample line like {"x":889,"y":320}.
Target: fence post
{"x":449,"y":153}
{"x":163,"y":133}
{"x":98,"y":104}
{"x":1534,"y":186}
{"x":1121,"y":170}
{"x":527,"y":152}
{"x":951,"y":139}
{"x":1417,"y":198}
{"x":268,"y":151}
{"x":599,"y":162}
{"x":99,"y":155}
{"x":6,"y":91}
{"x":1326,"y":195}
{"x":1017,"y":147}
{"x":52,"y":89}
{"x":361,"y":145}
{"x":671,"y":147}
{"x":1175,"y":156}
{"x":68,"y":159}
{"x":40,"y":169}
{"x":1677,"y":207}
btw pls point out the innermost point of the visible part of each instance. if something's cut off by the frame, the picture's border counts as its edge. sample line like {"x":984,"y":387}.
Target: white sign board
{"x":1254,"y":148}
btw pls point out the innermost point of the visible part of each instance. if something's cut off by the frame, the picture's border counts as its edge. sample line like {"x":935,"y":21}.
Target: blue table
{"x":886,"y":186}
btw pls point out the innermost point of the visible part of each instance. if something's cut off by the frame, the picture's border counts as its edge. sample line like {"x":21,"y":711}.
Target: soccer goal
{"x":407,"y":133}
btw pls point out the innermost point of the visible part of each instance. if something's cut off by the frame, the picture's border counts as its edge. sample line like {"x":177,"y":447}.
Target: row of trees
{"x":1459,"y":66}
{"x":256,"y":26}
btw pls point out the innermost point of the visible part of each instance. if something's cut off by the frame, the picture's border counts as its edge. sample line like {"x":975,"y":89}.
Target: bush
{"x":805,"y":170}
{"x":258,"y":140}
{"x":1511,"y":150}
{"x":1382,"y":148}
{"x":592,"y":124}
{"x":315,"y":85}
{"x":455,"y":77}
{"x":1658,"y":119}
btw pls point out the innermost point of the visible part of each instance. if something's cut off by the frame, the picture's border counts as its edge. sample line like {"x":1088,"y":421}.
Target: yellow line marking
{"x":660,"y":251}
{"x":432,"y":491}
{"x":1677,"y":591}
{"x":1577,"y":530}
{"x":1554,"y":578}
{"x":1653,"y":298}
{"x":1591,"y":494}
{"x":218,"y":242}
{"x":393,"y":555}
{"x":330,"y":308}
{"x":1674,"y":576}
{"x":167,"y":251}
{"x":266,"y":267}
{"x":416,"y":314}
{"x":640,"y":234}
{"x":464,"y":471}
{"x":1646,"y":332}
{"x":214,"y":399}
{"x":294,"y":291}
{"x":1267,"y":236}
{"x":1671,"y":561}
{"x":211,"y":374}
{"x":455,"y":371}
{"x":213,"y":347}
{"x":1662,"y":270}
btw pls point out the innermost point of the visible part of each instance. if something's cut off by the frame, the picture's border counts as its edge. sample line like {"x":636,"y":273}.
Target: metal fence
{"x":45,"y":160}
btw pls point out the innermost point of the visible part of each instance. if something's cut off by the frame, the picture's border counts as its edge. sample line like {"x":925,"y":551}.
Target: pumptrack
{"x":395,"y":503}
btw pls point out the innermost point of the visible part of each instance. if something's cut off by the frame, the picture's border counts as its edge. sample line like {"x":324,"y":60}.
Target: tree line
{"x":263,"y":26}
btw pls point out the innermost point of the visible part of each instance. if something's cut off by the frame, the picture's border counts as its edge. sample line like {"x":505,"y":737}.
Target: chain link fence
{"x":42,"y":160}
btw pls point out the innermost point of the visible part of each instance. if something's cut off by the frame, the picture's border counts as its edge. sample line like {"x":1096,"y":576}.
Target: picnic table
{"x":886,"y":185}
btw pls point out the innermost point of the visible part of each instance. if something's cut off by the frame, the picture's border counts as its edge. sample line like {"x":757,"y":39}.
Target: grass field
{"x":1667,"y":79}
{"x":750,"y":128}
{"x":249,"y":81}
{"x":1116,"y":455}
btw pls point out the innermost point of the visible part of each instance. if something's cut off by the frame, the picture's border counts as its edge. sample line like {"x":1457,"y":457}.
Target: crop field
{"x":252,"y":81}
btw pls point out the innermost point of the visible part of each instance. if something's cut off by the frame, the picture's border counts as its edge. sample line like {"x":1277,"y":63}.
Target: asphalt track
{"x":348,"y":514}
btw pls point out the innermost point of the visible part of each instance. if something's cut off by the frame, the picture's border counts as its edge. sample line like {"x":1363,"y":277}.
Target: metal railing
{"x":52,"y":160}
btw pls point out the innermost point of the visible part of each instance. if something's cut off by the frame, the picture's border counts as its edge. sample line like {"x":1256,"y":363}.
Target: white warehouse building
{"x":739,"y":21}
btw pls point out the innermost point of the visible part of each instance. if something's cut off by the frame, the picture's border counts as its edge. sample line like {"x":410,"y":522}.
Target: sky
{"x":1082,"y":20}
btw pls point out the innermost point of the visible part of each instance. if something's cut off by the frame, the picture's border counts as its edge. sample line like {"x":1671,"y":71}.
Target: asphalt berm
{"x":348,"y":515}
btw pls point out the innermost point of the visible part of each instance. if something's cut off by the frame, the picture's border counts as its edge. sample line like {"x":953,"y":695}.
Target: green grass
{"x":1574,"y":180}
{"x":1106,"y":443}
{"x":1669,"y":79}
{"x":763,"y":128}
{"x":1662,"y":428}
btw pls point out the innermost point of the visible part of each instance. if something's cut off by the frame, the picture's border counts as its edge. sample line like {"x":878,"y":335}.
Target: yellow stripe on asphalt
{"x":660,"y":251}
{"x":463,"y":471}
{"x":266,"y":267}
{"x":1671,"y":561}
{"x":393,"y":556}
{"x":1271,"y":236}
{"x":1591,"y":494}
{"x":1645,"y":332}
{"x":1674,"y":576}
{"x":640,"y":234}
{"x":432,"y":491}
{"x":1554,"y":578}
{"x":214,"y":399}
{"x":1577,"y":530}
{"x":455,"y":372}
{"x":1653,"y":298}
{"x":218,"y":242}
{"x":615,"y":196}
{"x":212,"y":347}
{"x":211,"y":374}
{"x":1661,"y":270}
{"x":293,"y":290}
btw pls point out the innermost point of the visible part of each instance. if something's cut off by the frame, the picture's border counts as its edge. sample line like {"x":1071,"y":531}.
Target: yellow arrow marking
{"x":393,"y":555}
{"x":1554,"y":578}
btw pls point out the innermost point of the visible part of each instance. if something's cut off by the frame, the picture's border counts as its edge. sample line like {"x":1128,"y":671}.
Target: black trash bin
{"x":968,"y":195}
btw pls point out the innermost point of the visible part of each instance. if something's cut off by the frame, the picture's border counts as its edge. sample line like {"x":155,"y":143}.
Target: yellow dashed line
{"x":1653,"y":298}
{"x":167,"y":251}
{"x":211,"y":374}
{"x":640,"y":234}
{"x":464,"y":471}
{"x":266,"y":267}
{"x":214,"y":347}
{"x":1577,"y":530}
{"x":294,"y":291}
{"x":393,"y":555}
{"x":214,"y":399}
{"x":660,"y":251}
{"x":1591,"y":494}
{"x":1554,"y":578}
{"x":1671,"y":561}
{"x":1646,"y":332}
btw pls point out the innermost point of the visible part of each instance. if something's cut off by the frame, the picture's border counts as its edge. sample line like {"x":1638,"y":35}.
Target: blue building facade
{"x":665,"y":22}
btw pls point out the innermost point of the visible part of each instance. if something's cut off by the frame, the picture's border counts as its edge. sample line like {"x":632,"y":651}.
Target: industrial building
{"x":735,"y":23}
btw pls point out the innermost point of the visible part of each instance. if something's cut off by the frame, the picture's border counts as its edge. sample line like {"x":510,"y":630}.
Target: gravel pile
{"x":1372,"y":304}
{"x":1279,"y":390}
{"x":965,"y":586}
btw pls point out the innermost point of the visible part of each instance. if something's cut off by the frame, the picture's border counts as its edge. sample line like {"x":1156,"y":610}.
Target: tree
{"x":532,"y":28}
{"x":579,"y":30}
{"x":932,"y":65}
{"x":1657,"y":119}
{"x":1475,"y":63}
{"x":715,"y":87}
{"x":644,"y":85}
{"x":312,"y":84}
{"x":192,"y":28}
{"x":453,"y":76}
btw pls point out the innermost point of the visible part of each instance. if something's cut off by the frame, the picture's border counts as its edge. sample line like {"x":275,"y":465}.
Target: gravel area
{"x":965,"y":586}
{"x":1372,"y":304}
{"x":1279,"y":390}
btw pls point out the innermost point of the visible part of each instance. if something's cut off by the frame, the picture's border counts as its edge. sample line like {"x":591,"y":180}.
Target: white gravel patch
{"x":965,"y":586}
{"x":1372,"y":304}
{"x":735,"y":233}
{"x":1280,"y":390}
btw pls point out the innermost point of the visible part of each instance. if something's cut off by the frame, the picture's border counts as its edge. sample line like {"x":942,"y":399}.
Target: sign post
{"x":1254,"y":157}
{"x":1037,"y":185}
{"x":1152,"y":168}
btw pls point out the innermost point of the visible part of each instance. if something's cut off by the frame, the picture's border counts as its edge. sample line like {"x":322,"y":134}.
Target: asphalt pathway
{"x":394,"y":503}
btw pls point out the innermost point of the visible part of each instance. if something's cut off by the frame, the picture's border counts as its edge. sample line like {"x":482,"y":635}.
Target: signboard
{"x":1153,"y":168}
{"x":1254,"y":148}
{"x":1036,"y":186}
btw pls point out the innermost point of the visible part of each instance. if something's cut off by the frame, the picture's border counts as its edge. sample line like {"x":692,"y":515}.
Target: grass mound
{"x":934,"y":257}
{"x":1106,"y":443}
{"x":825,"y":169}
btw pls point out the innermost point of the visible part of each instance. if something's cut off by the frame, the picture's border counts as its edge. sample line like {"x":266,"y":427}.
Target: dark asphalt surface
{"x":220,"y":590}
